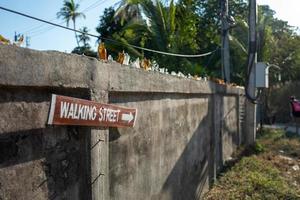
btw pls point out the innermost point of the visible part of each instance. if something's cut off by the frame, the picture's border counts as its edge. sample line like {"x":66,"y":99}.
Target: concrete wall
{"x":39,"y":162}
{"x":184,"y":132}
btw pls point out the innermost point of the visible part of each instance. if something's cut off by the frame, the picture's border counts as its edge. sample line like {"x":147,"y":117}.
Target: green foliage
{"x":111,"y":27}
{"x":85,"y":50}
{"x":83,"y":37}
{"x":258,"y":148}
{"x":276,"y":101}
{"x":193,"y":27}
{"x":108,"y":24}
{"x":278,"y":139}
{"x":278,"y":44}
{"x":267,"y":175}
{"x":289,"y":134}
{"x":271,"y":134}
{"x":253,"y":178}
{"x":157,"y":26}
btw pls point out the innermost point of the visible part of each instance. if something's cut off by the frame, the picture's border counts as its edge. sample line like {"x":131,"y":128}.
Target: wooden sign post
{"x":73,"y":111}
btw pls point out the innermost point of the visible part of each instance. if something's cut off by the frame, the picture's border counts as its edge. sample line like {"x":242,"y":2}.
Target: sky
{"x":47,"y":37}
{"x":287,"y":10}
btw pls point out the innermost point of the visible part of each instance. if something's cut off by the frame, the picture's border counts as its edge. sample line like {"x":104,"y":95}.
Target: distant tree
{"x":85,"y":49}
{"x":108,"y":24}
{"x":278,"y":44}
{"x":194,"y":27}
{"x":83,"y":37}
{"x":68,"y":12}
{"x":164,"y":26}
{"x":128,"y":10}
{"x":111,"y":27}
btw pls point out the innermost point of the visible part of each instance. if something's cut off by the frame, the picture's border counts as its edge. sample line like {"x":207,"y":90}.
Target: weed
{"x":258,"y":148}
{"x":252,"y":178}
{"x":271,"y":134}
{"x":264,"y":173}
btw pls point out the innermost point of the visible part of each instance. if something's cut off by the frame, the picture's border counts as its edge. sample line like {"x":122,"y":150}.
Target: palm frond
{"x":238,"y":43}
{"x":172,"y":16}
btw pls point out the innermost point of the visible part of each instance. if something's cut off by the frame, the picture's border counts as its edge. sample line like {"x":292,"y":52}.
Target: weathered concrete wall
{"x":162,"y":158}
{"x":168,"y":155}
{"x":184,"y":132}
{"x":38,"y":162}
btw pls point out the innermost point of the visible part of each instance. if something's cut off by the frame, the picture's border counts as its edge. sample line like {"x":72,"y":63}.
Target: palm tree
{"x":151,"y":17}
{"x":68,"y":12}
{"x":83,"y":37}
{"x":155,"y":21}
{"x":158,"y":25}
{"x":128,"y":10}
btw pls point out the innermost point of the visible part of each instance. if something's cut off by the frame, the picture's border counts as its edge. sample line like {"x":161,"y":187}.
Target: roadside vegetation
{"x":267,"y":170}
{"x":190,"y":27}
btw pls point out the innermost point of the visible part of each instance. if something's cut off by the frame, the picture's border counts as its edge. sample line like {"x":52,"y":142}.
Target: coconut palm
{"x":157,"y":25}
{"x":128,"y":10}
{"x":157,"y":22}
{"x":151,"y":17}
{"x":68,"y":12}
{"x":83,"y":37}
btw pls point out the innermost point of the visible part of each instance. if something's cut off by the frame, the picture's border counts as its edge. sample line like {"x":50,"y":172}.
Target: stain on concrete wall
{"x":184,"y":132}
{"x":36,"y":161}
{"x":229,"y":126}
{"x":167,"y":155}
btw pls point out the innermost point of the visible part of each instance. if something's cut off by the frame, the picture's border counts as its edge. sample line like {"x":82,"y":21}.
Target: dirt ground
{"x":270,"y":169}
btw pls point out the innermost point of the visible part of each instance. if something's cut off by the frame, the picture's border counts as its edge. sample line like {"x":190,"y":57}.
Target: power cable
{"x":211,"y":57}
{"x":117,"y":3}
{"x":42,"y":31}
{"x":37,"y":32}
{"x":34,"y":27}
{"x":94,"y":5}
{"x":108,"y":39}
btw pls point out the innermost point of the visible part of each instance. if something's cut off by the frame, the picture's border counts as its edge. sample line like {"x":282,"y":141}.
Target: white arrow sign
{"x":127,"y":117}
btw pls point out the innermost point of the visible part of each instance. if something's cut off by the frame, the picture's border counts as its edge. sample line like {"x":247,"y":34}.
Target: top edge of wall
{"x":32,"y":68}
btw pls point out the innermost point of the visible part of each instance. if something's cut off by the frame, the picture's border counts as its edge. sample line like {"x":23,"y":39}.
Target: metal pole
{"x":251,"y":108}
{"x":225,"y":42}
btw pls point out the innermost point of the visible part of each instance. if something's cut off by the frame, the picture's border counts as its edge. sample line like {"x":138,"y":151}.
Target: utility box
{"x":262,"y":75}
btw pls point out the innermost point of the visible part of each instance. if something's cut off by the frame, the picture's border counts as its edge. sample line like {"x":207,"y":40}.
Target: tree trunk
{"x":75,"y":33}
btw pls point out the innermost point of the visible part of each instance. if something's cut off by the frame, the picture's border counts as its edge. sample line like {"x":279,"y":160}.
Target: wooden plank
{"x":73,"y":111}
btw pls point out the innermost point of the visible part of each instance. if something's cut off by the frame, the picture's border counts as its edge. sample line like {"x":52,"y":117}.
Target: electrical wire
{"x":34,"y":27}
{"x":39,"y":32}
{"x":94,"y":5}
{"x":108,"y":39}
{"x":44,"y":30}
{"x":34,"y":30}
{"x":211,"y":57}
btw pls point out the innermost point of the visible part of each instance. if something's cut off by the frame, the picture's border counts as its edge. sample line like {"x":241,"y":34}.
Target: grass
{"x":277,"y":141}
{"x":265,"y":173}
